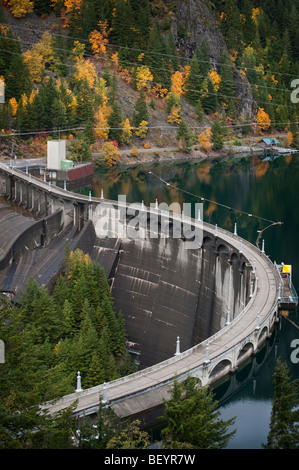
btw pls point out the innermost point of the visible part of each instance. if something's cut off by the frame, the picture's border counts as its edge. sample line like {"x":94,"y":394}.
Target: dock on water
{"x":288,"y":295}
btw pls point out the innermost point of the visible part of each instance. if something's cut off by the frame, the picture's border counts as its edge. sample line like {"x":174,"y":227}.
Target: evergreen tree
{"x":249,"y":28}
{"x":115,"y":123}
{"x":130,"y":438}
{"x":58,"y":113}
{"x":95,"y":373}
{"x":60,"y":49}
{"x":85,"y":100}
{"x":122,"y":33}
{"x":96,"y":435}
{"x":141,"y":12}
{"x":156,"y":55}
{"x":217,"y":135}
{"x":284,"y":425}
{"x":209,"y":99}
{"x":90,"y":17}
{"x":226,"y":92}
{"x":140,"y":110}
{"x":232,"y":26}
{"x":193,"y":82}
{"x":66,"y":97}
{"x":42,"y":7}
{"x":185,"y":136}
{"x":203,"y":429}
{"x":17,"y":78}
{"x":202,"y":55}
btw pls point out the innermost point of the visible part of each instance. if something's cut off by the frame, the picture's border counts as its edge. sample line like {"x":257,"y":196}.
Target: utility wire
{"x":151,"y":67}
{"x":81,"y":128}
{"x":167,"y":85}
{"x":239,"y":67}
{"x":212,"y":201}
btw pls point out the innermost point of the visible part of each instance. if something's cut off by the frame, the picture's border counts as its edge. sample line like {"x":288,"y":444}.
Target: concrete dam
{"x":199,"y":311}
{"x":167,"y":291}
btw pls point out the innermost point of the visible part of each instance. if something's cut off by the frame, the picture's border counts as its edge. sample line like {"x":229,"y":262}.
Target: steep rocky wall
{"x":200,"y":24}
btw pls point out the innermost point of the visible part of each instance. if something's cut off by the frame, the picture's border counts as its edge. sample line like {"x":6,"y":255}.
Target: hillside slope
{"x":54,"y":81}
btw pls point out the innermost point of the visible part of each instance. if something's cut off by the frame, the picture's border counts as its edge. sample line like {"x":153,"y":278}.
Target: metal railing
{"x":287,"y":294}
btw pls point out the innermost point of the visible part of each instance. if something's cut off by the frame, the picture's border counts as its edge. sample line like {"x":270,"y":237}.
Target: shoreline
{"x":160,"y":156}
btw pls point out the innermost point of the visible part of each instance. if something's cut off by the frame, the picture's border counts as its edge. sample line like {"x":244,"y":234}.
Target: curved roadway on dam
{"x":228,"y":327}
{"x":220,"y":354}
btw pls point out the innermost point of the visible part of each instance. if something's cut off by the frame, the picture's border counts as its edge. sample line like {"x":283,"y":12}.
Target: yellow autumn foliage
{"x":263,"y":120}
{"x":174,"y":116}
{"x":110,"y":153}
{"x":38,"y":57}
{"x":143,"y":78}
{"x":215,"y":78}
{"x":204,"y":140}
{"x":142,"y":129}
{"x":127,"y":131}
{"x":177,"y":83}
{"x":13,"y":105}
{"x":101,"y":123}
{"x":19,"y":8}
{"x":85,"y":70}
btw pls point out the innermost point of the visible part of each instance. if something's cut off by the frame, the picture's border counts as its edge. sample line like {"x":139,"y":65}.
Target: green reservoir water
{"x":267,"y":190}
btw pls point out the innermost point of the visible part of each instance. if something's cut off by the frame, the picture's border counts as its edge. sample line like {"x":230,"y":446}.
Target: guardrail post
{"x":79,"y":389}
{"x":177,"y":352}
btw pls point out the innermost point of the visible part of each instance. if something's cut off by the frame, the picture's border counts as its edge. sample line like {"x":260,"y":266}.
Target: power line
{"x":81,"y":128}
{"x":157,"y":53}
{"x":166,"y":85}
{"x":151,"y":67}
{"x":162,"y":70}
{"x":202,"y":198}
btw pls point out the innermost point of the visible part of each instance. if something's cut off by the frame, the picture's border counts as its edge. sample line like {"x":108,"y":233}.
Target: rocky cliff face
{"x":199,"y":23}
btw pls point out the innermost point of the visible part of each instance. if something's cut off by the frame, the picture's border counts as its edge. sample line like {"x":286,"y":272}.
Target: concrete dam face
{"x":166,"y":291}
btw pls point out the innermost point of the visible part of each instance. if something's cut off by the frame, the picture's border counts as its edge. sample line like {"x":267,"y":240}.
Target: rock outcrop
{"x":199,"y":22}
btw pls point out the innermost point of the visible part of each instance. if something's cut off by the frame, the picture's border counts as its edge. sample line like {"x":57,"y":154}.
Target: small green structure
{"x":67,"y":164}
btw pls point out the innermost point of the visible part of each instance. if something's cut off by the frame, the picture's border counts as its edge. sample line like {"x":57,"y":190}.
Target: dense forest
{"x":100,"y":77}
{"x":50,"y":336}
{"x":72,"y":79}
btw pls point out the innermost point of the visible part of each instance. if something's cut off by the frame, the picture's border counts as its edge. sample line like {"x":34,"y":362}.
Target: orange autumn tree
{"x":99,"y":39}
{"x":263,"y":120}
{"x":289,"y":139}
{"x":204,"y":140}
